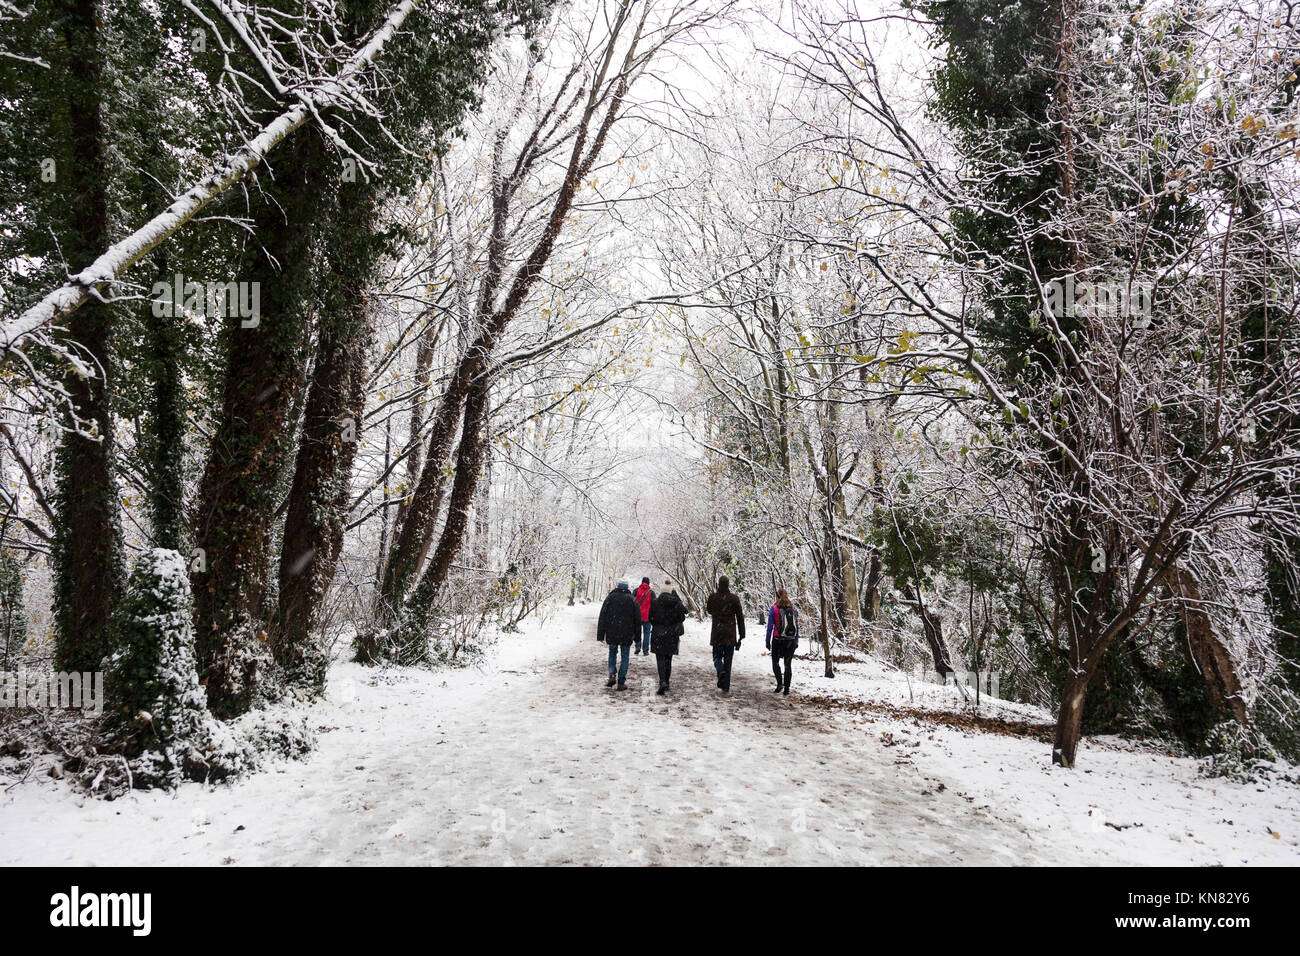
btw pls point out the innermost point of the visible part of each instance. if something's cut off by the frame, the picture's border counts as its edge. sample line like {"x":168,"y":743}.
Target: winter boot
{"x":786,"y":690}
{"x":662,"y":690}
{"x":621,"y":686}
{"x":610,"y":682}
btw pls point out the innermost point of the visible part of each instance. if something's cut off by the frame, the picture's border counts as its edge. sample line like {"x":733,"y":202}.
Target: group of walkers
{"x":642,"y":622}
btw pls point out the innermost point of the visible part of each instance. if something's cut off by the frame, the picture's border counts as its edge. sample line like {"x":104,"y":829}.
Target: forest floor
{"x":531,"y":760}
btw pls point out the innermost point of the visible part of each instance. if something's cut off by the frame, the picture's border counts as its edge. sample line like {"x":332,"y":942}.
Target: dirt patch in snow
{"x":969,"y":721}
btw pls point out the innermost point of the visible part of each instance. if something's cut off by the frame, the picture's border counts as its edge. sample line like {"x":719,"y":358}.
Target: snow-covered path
{"x":534,"y":761}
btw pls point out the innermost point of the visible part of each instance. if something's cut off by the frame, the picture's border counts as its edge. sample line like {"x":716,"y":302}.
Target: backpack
{"x":786,"y":625}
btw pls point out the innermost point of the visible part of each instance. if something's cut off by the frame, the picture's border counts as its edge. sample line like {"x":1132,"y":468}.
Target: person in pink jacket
{"x":782,"y":638}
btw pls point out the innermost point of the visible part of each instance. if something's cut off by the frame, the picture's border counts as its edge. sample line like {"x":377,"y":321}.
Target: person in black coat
{"x":618,"y":626}
{"x":667,"y":625}
{"x":728,"y":629}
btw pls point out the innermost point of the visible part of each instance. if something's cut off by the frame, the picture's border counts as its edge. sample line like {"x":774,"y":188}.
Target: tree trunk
{"x":933,"y":629}
{"x":1069,"y":720}
{"x":1208,"y":653}
{"x":873,"y":587}
{"x":413,"y":535}
{"x":848,"y":576}
{"x":166,"y":427}
{"x":482,"y":512}
{"x":238,"y":494}
{"x":415,"y":460}
{"x":382,"y":557}
{"x":318,"y":499}
{"x":825,"y":629}
{"x":469,"y":464}
{"x":87,"y":547}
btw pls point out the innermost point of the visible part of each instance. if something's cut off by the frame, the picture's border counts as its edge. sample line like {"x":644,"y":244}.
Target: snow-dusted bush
{"x":454,"y":632}
{"x":459,"y":633}
{"x":245,"y":667}
{"x":159,"y":712}
{"x":278,"y":731}
{"x":1238,"y":753}
{"x":159,"y":719}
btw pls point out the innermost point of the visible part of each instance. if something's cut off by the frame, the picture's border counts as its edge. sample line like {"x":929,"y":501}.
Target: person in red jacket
{"x":643,"y":597}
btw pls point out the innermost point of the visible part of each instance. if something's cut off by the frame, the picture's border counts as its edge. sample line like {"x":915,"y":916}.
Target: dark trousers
{"x":665,"y":664}
{"x":615,"y":650}
{"x":722,"y":664}
{"x":782,"y":652}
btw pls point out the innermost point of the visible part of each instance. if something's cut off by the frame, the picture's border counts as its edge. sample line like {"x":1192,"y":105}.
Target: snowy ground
{"x":533,"y":761}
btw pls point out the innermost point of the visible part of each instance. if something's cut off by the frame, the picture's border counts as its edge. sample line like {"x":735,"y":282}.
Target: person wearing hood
{"x":618,"y":626}
{"x":667,"y":620}
{"x":643,"y":597}
{"x":728,"y":629}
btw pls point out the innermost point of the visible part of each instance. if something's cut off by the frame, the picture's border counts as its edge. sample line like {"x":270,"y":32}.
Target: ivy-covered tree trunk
{"x":413,"y":535}
{"x":241,"y":485}
{"x":165,"y":436}
{"x":469,"y":466}
{"x":318,"y":499}
{"x":87,"y":540}
{"x":13,"y":616}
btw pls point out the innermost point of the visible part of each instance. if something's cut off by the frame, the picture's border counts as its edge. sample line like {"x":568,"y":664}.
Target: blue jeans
{"x":722,"y":663}
{"x":613,"y":660}
{"x":645,"y":637}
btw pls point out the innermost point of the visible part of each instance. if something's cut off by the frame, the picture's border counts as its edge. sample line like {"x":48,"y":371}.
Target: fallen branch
{"x":123,"y":254}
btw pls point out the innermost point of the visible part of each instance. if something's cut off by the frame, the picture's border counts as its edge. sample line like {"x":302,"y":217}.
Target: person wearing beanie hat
{"x":643,"y":597}
{"x":728,"y":629}
{"x":618,"y":626}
